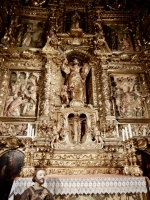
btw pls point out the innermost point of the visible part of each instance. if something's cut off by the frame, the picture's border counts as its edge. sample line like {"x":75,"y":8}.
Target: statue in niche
{"x":75,"y":81}
{"x":75,"y":19}
{"x":35,"y":3}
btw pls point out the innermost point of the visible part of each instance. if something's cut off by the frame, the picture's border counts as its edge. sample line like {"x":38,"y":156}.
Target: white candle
{"x":123,"y":136}
{"x":28,"y":130}
{"x":130,"y":131}
{"x":32,"y":133}
{"x":126,"y":131}
{"x":117,"y":130}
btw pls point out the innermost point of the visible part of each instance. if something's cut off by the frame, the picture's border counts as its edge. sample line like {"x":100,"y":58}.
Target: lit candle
{"x":123,"y":136}
{"x":126,"y":131}
{"x":130,"y":131}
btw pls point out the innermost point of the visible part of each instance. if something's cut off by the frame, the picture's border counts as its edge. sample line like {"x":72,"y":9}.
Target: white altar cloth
{"x":85,"y":185}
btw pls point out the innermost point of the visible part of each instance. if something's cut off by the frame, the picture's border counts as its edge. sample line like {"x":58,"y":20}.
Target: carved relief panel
{"x":129,"y":101}
{"x":22,"y":94}
{"x":137,"y":129}
{"x":118,"y":37}
{"x":30,"y":33}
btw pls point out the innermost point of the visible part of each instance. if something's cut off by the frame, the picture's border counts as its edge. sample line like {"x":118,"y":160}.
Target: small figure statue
{"x":97,"y":135}
{"x":75,"y":20}
{"x":37,"y":191}
{"x":64,"y":95}
{"x":55,"y":136}
{"x":44,"y":127}
{"x":125,"y":44}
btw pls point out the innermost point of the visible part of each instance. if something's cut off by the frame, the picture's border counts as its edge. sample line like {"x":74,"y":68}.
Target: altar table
{"x":87,"y":185}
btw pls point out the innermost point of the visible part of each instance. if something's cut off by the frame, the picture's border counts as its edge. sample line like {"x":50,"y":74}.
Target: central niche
{"x":75,"y":20}
{"x":77,"y":128}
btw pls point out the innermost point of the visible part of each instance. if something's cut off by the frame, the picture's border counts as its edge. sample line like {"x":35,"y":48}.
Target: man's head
{"x":39,"y":176}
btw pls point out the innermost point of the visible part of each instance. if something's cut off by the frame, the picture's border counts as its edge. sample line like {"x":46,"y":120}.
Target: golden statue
{"x":75,"y":81}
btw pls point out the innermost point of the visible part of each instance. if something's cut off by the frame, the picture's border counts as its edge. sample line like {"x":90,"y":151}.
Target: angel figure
{"x":55,"y":136}
{"x":97,"y":135}
{"x":76,"y":81}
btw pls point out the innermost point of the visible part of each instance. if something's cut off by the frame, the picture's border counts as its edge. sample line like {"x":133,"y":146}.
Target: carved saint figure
{"x":55,"y":136}
{"x":97,"y":135}
{"x":37,"y":191}
{"x":76,"y":81}
{"x":64,"y":95}
{"x":44,"y":127}
{"x":75,"y":20}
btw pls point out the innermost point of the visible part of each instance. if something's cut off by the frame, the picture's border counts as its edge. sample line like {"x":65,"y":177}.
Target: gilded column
{"x":4,"y":75}
{"x":45,"y":94}
{"x":94,"y":86}
{"x":145,"y":92}
{"x":106,"y":88}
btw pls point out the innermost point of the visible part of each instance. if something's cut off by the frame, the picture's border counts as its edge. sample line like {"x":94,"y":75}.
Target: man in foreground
{"x":37,"y":192}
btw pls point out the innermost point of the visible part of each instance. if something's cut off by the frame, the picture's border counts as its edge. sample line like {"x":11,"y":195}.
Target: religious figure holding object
{"x":37,"y":192}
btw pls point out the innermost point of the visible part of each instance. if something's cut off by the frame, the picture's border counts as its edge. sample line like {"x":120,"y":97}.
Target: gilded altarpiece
{"x":72,"y":78}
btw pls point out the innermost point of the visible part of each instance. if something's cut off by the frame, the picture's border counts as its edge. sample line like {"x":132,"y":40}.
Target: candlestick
{"x":123,"y":135}
{"x":126,"y":131}
{"x":130,"y":131}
